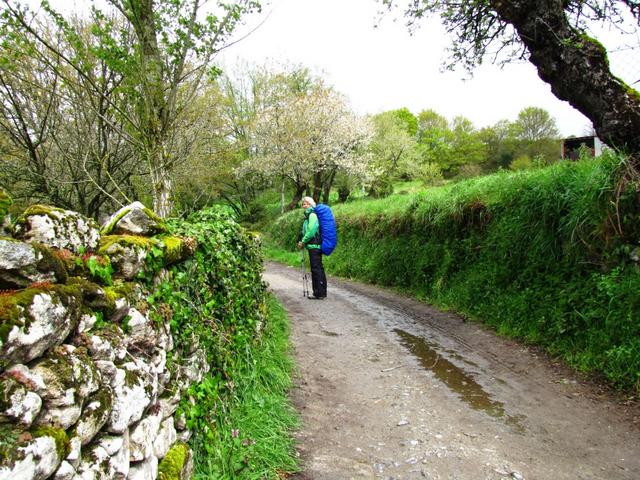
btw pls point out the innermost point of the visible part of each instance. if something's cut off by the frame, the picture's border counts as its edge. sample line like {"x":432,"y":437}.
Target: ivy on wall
{"x":216,"y":300}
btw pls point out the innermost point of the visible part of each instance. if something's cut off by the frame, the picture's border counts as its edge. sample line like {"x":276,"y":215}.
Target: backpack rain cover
{"x":328,"y":230}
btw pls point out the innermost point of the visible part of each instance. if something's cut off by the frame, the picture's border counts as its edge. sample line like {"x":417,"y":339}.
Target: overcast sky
{"x":386,"y":68}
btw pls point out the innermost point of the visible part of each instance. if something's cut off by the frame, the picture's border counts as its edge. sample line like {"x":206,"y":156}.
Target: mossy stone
{"x":11,"y":439}
{"x":92,"y":294}
{"x":14,"y":305}
{"x":107,"y":229}
{"x":50,"y":262}
{"x":121,"y":289}
{"x":42,"y":210}
{"x":8,"y":386}
{"x":97,"y":413}
{"x":63,"y":445}
{"x":174,"y":249}
{"x":170,"y":467}
{"x":125,"y":241}
{"x":161,"y":226}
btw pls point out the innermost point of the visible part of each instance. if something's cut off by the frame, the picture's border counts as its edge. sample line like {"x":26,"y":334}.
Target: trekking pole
{"x":305,"y":285}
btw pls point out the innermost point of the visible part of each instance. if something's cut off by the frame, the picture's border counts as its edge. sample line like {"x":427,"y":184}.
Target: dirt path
{"x":389,"y":388}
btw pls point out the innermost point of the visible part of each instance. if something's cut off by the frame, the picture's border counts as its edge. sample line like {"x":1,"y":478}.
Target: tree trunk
{"x":162,"y":187}
{"x":155,"y":109}
{"x":577,"y":69}
{"x":326,"y":189}
{"x":296,"y":197}
{"x":282,"y":197}
{"x":343,"y":194}
{"x":317,"y":186}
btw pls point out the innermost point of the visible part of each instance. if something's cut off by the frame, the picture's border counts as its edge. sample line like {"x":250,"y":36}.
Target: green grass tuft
{"x":253,"y":432}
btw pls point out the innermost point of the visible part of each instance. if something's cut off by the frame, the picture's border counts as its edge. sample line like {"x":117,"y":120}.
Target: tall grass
{"x":253,"y":432}
{"x":542,"y":255}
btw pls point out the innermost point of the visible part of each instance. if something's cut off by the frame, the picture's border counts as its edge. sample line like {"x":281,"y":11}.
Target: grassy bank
{"x":238,"y":412}
{"x":548,"y":256}
{"x":252,"y":439}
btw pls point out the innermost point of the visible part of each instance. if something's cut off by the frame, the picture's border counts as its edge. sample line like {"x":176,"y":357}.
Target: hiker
{"x":312,"y":241}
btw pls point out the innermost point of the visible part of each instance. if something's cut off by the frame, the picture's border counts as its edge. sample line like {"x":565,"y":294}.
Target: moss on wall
{"x":170,"y":467}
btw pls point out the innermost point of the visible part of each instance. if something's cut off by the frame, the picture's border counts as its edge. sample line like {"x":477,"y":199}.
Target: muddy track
{"x":390,"y":388}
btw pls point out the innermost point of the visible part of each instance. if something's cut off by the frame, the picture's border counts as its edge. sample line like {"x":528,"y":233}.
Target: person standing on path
{"x":312,"y":241}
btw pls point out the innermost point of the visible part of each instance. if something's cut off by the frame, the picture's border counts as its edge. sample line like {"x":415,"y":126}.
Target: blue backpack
{"x":328,"y":230}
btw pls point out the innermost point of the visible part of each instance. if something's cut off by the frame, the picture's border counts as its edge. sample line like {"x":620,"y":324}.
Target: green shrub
{"x":253,"y":212}
{"x":252,"y":435}
{"x":380,"y":187}
{"x":429,"y":174}
{"x":521,"y":163}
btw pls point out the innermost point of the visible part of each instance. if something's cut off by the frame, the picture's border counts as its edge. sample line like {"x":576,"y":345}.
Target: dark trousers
{"x":318,"y":278}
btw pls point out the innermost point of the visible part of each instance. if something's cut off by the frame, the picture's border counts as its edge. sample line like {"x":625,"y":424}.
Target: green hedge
{"x":543,"y":255}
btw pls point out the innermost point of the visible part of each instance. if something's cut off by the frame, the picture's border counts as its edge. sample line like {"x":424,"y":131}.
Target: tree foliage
{"x":305,"y":134}
{"x":449,"y":145}
{"x":394,"y":146}
{"x":552,"y":35}
{"x":65,"y":131}
{"x":537,"y":134}
{"x":162,"y":50}
{"x":455,"y":148}
{"x":500,"y":144}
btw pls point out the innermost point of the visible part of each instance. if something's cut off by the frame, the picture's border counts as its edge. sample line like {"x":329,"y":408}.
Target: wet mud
{"x":457,"y":379}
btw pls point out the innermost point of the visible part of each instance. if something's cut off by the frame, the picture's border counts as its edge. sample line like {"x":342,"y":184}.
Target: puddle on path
{"x":457,"y":379}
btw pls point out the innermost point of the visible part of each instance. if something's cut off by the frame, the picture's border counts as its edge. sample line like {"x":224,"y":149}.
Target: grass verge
{"x":253,"y":431}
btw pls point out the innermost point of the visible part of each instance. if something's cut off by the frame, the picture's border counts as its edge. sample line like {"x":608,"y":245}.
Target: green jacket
{"x":311,"y":230}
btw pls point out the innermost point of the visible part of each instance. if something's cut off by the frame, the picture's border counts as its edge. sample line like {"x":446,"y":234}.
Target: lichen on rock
{"x":57,"y":228}
{"x":134,"y":219}
{"x":143,"y":434}
{"x":17,"y":403}
{"x":37,"y":456}
{"x":106,"y":457}
{"x":166,"y":437}
{"x":20,"y":265}
{"x":128,"y":254}
{"x":36,"y":319}
{"x":95,"y":413}
{"x":70,"y":377}
{"x":134,"y":388}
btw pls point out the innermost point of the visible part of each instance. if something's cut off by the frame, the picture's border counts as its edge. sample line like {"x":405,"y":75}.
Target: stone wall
{"x":86,"y":390}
